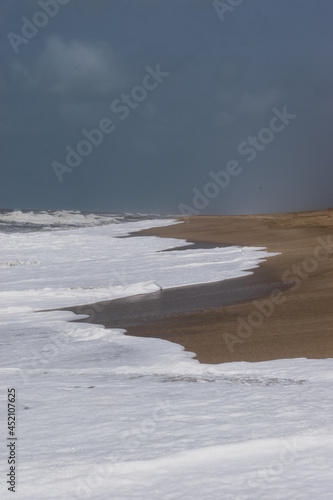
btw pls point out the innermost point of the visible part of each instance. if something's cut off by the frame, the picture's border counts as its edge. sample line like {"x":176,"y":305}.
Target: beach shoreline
{"x":292,"y":319}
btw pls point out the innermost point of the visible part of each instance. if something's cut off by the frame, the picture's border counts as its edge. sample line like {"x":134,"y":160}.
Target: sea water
{"x":103,"y":415}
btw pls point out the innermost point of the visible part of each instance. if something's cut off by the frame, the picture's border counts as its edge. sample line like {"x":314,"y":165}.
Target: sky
{"x":166,"y":106}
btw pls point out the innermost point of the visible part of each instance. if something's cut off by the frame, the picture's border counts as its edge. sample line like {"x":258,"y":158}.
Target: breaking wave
{"x":46,"y":220}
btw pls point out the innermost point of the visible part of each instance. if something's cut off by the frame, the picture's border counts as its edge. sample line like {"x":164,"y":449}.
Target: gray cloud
{"x":72,"y":69}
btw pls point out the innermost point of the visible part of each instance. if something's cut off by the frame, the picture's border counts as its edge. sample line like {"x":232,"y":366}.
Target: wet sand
{"x":283,"y":310}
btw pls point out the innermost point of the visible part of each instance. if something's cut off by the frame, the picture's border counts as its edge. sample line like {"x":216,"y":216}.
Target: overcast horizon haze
{"x":166,"y":106}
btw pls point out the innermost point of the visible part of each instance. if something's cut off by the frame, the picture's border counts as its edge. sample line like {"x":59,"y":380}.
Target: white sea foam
{"x":103,"y":415}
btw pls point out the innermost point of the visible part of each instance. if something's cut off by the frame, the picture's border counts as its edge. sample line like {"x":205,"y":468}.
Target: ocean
{"x":50,"y":220}
{"x":103,"y":415}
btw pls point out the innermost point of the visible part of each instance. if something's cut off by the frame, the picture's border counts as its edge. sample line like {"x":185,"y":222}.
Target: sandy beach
{"x":283,"y":310}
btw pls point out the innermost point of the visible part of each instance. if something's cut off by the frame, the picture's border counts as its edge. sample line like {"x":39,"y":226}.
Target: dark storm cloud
{"x":225,"y":80}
